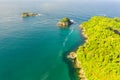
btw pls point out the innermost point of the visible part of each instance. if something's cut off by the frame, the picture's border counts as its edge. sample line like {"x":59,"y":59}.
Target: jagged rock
{"x":76,"y":63}
{"x":28,"y":14}
{"x":72,"y":55}
{"x":64,"y":22}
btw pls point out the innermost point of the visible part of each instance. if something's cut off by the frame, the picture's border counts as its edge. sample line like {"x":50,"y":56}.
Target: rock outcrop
{"x":64,"y":22}
{"x":28,"y":14}
{"x":73,"y":57}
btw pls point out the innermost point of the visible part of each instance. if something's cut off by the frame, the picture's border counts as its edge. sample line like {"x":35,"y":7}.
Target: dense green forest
{"x":100,"y":54}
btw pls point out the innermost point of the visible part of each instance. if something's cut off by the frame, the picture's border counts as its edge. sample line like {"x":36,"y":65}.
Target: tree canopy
{"x":100,"y":55}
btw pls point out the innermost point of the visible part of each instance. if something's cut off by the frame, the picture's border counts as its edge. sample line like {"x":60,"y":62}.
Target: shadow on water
{"x":70,"y":66}
{"x":67,"y":32}
{"x":72,"y":70}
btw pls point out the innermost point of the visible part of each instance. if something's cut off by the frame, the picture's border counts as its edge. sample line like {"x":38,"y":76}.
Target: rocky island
{"x":28,"y":14}
{"x":99,"y":57}
{"x":64,"y":22}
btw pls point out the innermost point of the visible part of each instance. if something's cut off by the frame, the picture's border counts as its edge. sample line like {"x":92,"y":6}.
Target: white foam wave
{"x":102,"y":14}
{"x":67,"y":37}
{"x":38,"y":14}
{"x":45,"y":76}
{"x":72,"y":21}
{"x":8,"y":19}
{"x":72,"y":29}
{"x":65,"y":41}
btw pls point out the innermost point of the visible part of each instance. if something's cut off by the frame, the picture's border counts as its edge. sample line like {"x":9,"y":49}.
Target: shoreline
{"x":98,"y":57}
{"x":72,"y":56}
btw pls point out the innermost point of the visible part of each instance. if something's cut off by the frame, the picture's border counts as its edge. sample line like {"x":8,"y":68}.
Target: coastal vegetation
{"x":64,"y":22}
{"x":100,"y":54}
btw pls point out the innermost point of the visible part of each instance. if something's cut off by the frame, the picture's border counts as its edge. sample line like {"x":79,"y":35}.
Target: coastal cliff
{"x":99,"y":57}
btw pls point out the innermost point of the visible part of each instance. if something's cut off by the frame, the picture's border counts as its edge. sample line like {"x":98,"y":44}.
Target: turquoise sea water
{"x":34,"y":48}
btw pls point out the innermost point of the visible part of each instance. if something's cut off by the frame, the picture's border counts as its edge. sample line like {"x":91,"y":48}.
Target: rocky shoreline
{"x":72,"y":56}
{"x":83,"y":33}
{"x":76,"y":64}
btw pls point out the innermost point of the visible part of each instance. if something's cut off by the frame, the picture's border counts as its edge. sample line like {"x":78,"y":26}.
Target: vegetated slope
{"x":100,"y":55}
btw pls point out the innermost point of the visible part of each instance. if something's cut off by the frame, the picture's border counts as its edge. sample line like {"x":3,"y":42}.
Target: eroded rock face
{"x":77,"y":65}
{"x":64,"y":22}
{"x":72,"y":55}
{"x":28,"y":14}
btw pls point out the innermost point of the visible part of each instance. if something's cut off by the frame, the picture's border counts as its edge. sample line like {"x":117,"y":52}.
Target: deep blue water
{"x":34,"y":48}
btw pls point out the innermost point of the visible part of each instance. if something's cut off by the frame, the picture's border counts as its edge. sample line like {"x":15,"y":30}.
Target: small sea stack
{"x":28,"y":14}
{"x":64,"y":22}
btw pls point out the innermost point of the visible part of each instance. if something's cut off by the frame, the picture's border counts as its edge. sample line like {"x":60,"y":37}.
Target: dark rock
{"x":28,"y":14}
{"x":64,"y":22}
